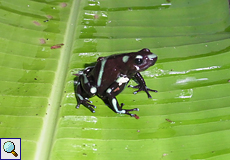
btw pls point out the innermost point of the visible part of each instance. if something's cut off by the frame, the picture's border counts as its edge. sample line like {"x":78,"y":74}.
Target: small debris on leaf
{"x":96,"y":16}
{"x":49,"y":17}
{"x":57,"y":46}
{"x":42,"y":41}
{"x":36,"y":23}
{"x":168,"y":120}
{"x":136,"y":116}
{"x":63,"y":5}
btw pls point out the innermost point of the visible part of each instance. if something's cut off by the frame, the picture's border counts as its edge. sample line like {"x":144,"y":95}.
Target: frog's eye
{"x":139,"y":60}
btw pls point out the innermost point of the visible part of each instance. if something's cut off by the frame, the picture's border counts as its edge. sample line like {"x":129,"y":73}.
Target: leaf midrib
{"x":46,"y":140}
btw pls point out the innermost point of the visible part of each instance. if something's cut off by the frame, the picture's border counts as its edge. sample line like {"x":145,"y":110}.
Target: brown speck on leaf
{"x":63,"y":5}
{"x":96,"y":16}
{"x":57,"y":46}
{"x":165,"y":154}
{"x":36,"y":114}
{"x":42,"y":41}
{"x":49,"y":16}
{"x":168,"y":120}
{"x":136,"y":116}
{"x":229,"y":80}
{"x":35,"y":79}
{"x":138,"y":130}
{"x":36,"y":23}
{"x":168,"y":1}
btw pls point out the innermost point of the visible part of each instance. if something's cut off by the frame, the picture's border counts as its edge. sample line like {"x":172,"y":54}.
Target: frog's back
{"x":106,"y":71}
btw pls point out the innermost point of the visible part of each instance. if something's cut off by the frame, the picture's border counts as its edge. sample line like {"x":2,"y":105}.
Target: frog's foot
{"x":143,"y":88}
{"x":128,"y":110}
{"x":133,"y":115}
{"x":86,"y":103}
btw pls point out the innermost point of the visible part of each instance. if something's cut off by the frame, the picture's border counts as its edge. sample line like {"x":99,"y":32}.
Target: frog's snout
{"x":154,"y":60}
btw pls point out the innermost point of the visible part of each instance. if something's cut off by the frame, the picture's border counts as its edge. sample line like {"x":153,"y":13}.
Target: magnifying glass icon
{"x":9,"y":147}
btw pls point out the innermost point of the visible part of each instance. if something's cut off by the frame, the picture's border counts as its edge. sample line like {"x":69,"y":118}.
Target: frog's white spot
{"x":109,"y":90}
{"x":125,"y":59}
{"x":76,"y":82}
{"x":93,"y":90}
{"x":81,"y":98}
{"x":137,"y":68}
{"x":151,"y":56}
{"x":122,"y":80}
{"x":101,"y":71}
{"x":139,"y":57}
{"x":114,"y":102}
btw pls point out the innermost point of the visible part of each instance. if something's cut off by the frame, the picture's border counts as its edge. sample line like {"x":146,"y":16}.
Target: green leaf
{"x":187,"y":119}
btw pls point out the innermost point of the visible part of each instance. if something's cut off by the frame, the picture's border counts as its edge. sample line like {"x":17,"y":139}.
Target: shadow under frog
{"x":109,"y":76}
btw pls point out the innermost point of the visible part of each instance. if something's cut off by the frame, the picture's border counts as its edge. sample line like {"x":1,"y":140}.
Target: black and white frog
{"x":109,"y":77}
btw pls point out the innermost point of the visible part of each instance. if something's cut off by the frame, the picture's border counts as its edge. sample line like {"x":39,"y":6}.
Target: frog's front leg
{"x":84,"y":90}
{"x":110,"y":99}
{"x":141,"y":85}
{"x":82,"y":99}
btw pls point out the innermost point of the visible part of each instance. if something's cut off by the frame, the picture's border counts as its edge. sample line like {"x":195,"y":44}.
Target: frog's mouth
{"x":154,"y":60}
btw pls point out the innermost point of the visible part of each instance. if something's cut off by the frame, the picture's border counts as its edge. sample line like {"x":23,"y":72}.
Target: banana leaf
{"x":45,"y":42}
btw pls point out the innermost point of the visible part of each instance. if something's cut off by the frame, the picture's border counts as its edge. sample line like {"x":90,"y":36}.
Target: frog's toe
{"x":129,"y":110}
{"x":92,"y":110}
{"x":137,"y":86}
{"x":90,"y":107}
{"x":134,"y":115}
{"x":78,"y":106}
{"x":135,"y":92}
{"x":152,"y":90}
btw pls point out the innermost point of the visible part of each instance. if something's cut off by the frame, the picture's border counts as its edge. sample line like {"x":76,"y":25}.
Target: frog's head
{"x":142,"y":59}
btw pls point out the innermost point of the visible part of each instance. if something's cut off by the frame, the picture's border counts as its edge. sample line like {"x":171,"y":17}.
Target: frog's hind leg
{"x":113,"y":104}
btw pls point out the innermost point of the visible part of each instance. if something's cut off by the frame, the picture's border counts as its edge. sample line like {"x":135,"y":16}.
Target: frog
{"x":110,"y":75}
